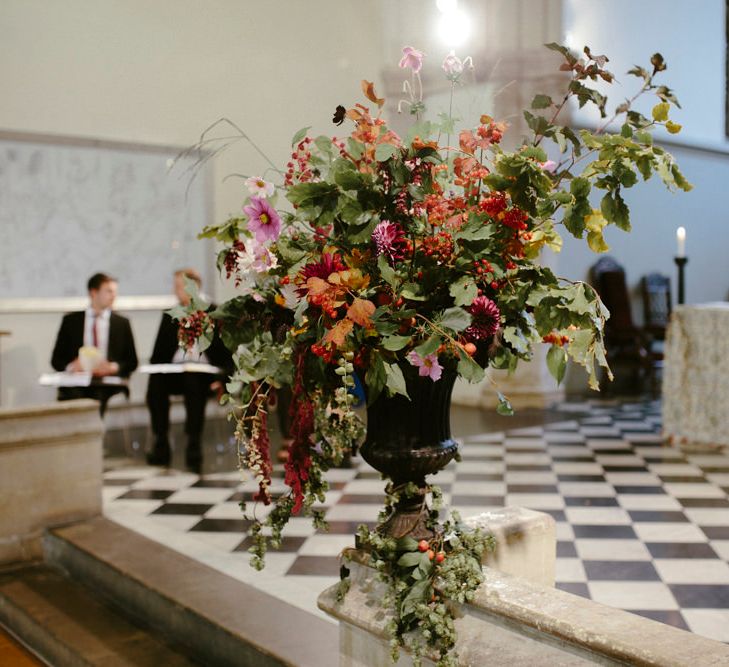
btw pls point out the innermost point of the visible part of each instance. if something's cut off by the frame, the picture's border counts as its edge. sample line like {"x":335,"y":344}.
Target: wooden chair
{"x":656,"y":292}
{"x":627,"y":353}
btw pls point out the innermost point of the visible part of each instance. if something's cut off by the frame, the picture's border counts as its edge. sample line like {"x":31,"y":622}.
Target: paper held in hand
{"x":185,"y":367}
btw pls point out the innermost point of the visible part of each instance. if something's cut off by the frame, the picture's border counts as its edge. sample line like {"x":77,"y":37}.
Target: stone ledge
{"x":49,"y":424}
{"x":526,"y":543}
{"x":513,"y":621}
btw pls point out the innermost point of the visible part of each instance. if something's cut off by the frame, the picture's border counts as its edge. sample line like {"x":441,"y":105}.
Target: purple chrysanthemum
{"x":263,"y":220}
{"x":486,"y":319}
{"x":389,"y":240}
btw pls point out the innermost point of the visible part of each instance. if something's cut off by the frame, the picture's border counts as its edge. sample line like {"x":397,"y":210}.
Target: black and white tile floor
{"x":640,"y":526}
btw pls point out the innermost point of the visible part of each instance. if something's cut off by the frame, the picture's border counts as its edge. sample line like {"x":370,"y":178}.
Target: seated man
{"x":194,"y":387}
{"x":106,"y":339}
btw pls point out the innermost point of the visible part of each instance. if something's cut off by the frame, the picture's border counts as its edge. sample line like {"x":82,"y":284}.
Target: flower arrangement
{"x":377,"y":253}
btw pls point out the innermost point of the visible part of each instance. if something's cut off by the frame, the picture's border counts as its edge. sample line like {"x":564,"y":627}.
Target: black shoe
{"x":193,"y":458}
{"x":160,"y":455}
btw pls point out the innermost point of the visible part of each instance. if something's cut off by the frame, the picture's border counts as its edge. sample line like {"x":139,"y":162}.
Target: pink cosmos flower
{"x":257,"y":186}
{"x":263,"y":220}
{"x":549,"y":165}
{"x":428,"y":366}
{"x":412,"y":58}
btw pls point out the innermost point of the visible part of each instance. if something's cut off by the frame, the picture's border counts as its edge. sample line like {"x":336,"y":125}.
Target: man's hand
{"x":105,"y":368}
{"x":74,"y":366}
{"x":218,"y":387}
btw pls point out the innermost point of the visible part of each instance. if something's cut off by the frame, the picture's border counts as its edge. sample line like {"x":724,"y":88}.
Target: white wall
{"x":160,"y":72}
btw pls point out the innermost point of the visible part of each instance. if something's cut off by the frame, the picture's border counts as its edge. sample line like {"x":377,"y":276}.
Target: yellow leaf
{"x":673,"y":128}
{"x":596,"y":241}
{"x":360,"y":311}
{"x":595,"y":222}
{"x":350,"y":278}
{"x":368,"y":88}
{"x":338,"y":333}
{"x":660,"y":111}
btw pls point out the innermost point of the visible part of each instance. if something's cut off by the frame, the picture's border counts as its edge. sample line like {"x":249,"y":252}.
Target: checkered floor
{"x":640,"y":526}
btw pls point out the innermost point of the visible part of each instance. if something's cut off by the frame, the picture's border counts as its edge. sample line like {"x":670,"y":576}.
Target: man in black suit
{"x":100,"y":328}
{"x":194,"y":387}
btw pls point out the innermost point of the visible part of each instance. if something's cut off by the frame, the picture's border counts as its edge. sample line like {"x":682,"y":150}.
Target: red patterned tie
{"x":95,"y":332}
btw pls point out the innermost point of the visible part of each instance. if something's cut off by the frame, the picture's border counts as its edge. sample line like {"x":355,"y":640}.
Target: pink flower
{"x":412,"y":58}
{"x":263,"y":220}
{"x":427,"y":367}
{"x":452,"y":65}
{"x":486,"y":319}
{"x":257,"y":186}
{"x":389,"y":240}
{"x":549,"y":165}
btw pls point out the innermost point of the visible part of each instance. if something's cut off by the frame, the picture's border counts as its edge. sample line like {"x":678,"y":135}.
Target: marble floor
{"x":640,"y":526}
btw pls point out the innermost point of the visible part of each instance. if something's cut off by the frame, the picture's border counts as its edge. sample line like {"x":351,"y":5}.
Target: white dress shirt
{"x":102,"y":330}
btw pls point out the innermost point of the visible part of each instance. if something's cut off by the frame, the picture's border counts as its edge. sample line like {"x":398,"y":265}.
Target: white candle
{"x":681,"y":241}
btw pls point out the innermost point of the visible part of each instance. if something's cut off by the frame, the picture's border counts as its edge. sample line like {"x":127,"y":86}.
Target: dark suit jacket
{"x":71,"y":337}
{"x":166,"y":344}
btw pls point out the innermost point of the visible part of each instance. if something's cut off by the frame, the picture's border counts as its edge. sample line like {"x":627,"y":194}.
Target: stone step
{"x":67,"y":626}
{"x":221,"y":621}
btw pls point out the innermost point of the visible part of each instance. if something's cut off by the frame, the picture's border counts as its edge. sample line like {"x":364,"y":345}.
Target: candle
{"x":681,"y":241}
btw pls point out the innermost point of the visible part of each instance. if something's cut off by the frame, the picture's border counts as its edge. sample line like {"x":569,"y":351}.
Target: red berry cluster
{"x":299,"y":167}
{"x":323,"y":302}
{"x":340,"y":145}
{"x":483,"y":267}
{"x":555,"y":339}
{"x":324,"y":351}
{"x":515,"y":218}
{"x":439,"y":246}
{"x":494,"y":204}
{"x":192,"y":327}
{"x":231,"y":260}
{"x":490,"y":130}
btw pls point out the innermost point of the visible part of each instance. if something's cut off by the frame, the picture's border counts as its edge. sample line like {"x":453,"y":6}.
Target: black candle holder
{"x":681,"y":263}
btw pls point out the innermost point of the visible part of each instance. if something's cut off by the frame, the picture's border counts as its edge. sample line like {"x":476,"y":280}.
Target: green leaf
{"x":300,"y":135}
{"x":325,"y":145}
{"x":409,"y":559}
{"x":497,"y":182}
{"x":419,"y":593}
{"x":386,"y":271}
{"x":429,"y":346}
{"x":477,"y":232}
{"x":557,"y":362}
{"x":395,"y":381}
{"x":406,"y":544}
{"x":312,"y":194}
{"x":616,"y":210}
{"x":541,"y":102}
{"x":516,"y":339}
{"x":468,"y":369}
{"x":534,"y":153}
{"x":413,"y":292}
{"x":384,"y":152}
{"x":580,"y":187}
{"x":375,"y":378}
{"x":464,"y":291}
{"x":504,"y":407}
{"x":569,"y":57}
{"x":681,"y":182}
{"x":395,"y":343}
{"x":455,"y":319}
